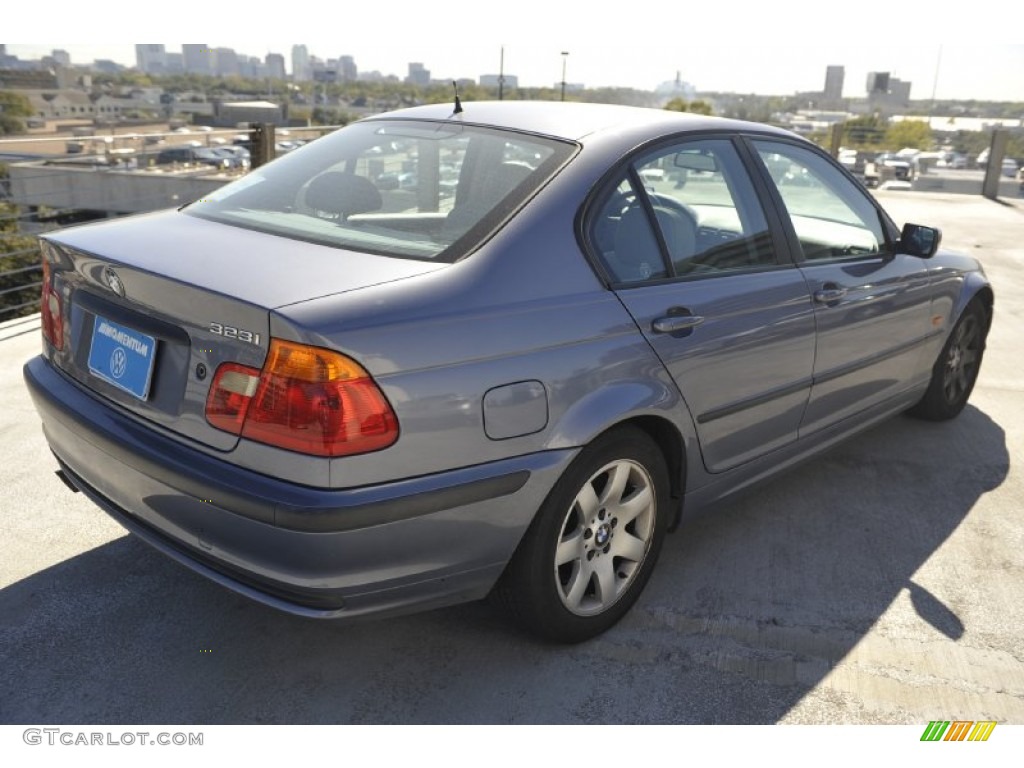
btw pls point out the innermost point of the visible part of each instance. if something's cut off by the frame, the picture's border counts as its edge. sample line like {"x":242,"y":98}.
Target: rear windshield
{"x":408,"y":189}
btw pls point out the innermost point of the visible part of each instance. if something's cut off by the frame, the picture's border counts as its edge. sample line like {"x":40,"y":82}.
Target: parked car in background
{"x":239,"y":156}
{"x":888,"y":167}
{"x":1008,"y":166}
{"x":345,"y":400}
{"x":194,"y":155}
{"x":956,"y":160}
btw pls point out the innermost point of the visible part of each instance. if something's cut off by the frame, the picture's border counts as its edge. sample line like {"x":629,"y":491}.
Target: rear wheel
{"x":592,"y":547}
{"x":957,"y":367}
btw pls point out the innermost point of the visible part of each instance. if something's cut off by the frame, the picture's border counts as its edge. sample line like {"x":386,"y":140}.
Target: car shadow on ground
{"x":749,"y":608}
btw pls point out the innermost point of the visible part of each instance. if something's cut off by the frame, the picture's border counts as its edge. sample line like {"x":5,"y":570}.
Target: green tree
{"x":909,"y":133}
{"x":329,"y":116}
{"x":18,"y":255}
{"x":13,"y":107}
{"x":697,"y":107}
{"x":700,"y":107}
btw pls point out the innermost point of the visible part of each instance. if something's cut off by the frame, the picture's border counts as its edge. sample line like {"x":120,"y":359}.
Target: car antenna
{"x":458,"y":104}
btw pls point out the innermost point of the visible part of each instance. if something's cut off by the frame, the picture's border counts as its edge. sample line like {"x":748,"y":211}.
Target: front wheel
{"x":956,"y":370}
{"x":592,"y":547}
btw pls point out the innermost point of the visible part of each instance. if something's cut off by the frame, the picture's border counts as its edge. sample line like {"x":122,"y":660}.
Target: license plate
{"x":122,"y":356}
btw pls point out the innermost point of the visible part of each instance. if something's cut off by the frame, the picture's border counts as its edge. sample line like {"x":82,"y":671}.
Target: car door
{"x":685,"y":244}
{"x":871,"y":302}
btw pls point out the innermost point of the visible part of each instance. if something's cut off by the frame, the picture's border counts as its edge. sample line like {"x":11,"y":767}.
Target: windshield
{"x":408,"y":189}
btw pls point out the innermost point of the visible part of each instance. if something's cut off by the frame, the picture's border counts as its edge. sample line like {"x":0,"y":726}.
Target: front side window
{"x":408,"y":189}
{"x":832,"y":217}
{"x":688,"y":210}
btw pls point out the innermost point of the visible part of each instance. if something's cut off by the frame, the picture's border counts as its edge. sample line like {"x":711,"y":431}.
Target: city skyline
{"x":603,"y":51}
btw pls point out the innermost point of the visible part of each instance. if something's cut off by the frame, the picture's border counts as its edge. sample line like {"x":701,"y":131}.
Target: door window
{"x":832,"y":216}
{"x":688,"y":210}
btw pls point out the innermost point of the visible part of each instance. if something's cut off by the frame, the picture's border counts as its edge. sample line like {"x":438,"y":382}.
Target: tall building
{"x":275,"y":66}
{"x":878,"y":82}
{"x":884,"y":91}
{"x":61,"y":58}
{"x":300,"y":63}
{"x":899,"y":91}
{"x":150,"y":58}
{"x":834,"y":76}
{"x":418,"y":74}
{"x":227,"y":62}
{"x":348,"y":72}
{"x":251,"y":67}
{"x":199,"y":58}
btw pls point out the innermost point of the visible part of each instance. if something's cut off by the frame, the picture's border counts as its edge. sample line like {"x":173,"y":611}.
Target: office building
{"x":418,"y":74}
{"x":300,"y":63}
{"x":150,"y":58}
{"x":199,"y":58}
{"x":834,"y":76}
{"x":274,"y":63}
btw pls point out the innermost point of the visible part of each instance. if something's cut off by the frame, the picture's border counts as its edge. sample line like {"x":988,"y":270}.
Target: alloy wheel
{"x":605,"y":537}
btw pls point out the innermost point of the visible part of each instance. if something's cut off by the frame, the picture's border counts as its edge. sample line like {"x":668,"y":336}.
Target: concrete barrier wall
{"x":971,"y":186}
{"x":34,"y":184}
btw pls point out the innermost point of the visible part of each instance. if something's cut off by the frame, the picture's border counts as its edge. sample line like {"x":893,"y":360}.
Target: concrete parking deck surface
{"x":879,"y":583}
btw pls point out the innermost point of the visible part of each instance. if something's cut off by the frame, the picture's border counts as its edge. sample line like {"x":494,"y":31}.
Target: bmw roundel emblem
{"x":113,"y":281}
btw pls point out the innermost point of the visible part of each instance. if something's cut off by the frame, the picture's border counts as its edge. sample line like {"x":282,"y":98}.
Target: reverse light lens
{"x":51,"y":310}
{"x":230,"y":393}
{"x":306,"y":399}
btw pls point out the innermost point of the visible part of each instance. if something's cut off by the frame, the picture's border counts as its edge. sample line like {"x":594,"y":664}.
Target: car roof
{"x":574,"y":120}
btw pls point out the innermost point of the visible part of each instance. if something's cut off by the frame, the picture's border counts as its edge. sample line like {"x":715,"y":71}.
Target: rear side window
{"x":407,"y":189}
{"x":686,"y":210}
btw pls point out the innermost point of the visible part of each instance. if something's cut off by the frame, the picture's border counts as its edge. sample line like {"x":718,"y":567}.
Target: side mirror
{"x":920,"y":241}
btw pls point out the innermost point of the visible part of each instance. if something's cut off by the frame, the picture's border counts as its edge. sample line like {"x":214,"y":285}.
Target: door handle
{"x":674,"y":323}
{"x":828,"y":293}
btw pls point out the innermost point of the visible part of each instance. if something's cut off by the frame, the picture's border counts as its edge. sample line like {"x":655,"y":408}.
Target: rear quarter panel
{"x":524,"y":307}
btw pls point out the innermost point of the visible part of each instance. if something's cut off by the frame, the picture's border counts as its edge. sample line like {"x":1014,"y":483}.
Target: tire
{"x":956,"y":370}
{"x":592,"y":546}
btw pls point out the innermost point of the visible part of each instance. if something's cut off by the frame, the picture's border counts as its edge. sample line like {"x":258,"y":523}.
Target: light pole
{"x":565,"y":55}
{"x":501,"y":75}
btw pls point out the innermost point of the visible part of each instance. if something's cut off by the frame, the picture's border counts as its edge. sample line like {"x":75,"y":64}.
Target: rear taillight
{"x":306,"y":399}
{"x":51,"y":310}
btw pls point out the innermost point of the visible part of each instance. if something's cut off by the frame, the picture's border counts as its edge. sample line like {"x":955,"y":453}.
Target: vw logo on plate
{"x":118,"y":362}
{"x":113,"y":281}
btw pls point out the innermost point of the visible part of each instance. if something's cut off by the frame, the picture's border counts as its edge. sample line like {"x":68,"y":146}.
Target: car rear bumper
{"x":392,"y":548}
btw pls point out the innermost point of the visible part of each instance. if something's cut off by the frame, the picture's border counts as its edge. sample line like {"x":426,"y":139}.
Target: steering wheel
{"x":667,"y":201}
{"x":619,"y":202}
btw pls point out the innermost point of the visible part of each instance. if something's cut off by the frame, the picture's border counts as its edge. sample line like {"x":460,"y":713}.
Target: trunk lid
{"x":154,"y":304}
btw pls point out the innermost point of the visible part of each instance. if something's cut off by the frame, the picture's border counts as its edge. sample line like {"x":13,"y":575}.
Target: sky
{"x":781,"y":47}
